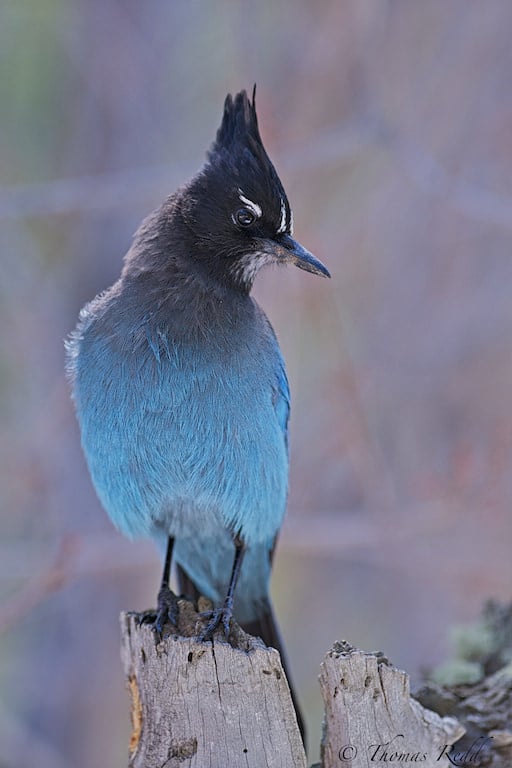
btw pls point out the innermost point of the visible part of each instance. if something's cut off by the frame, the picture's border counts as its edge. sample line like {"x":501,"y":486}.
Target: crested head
{"x":239,"y":125}
{"x":235,"y":208}
{"x":238,"y":152}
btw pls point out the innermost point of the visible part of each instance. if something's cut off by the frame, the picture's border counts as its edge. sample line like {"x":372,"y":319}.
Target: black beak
{"x":284,"y":248}
{"x":301,"y":257}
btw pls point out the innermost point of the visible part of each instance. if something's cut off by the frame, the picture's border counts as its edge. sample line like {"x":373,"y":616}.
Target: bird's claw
{"x":219,"y":617}
{"x":167,"y":612}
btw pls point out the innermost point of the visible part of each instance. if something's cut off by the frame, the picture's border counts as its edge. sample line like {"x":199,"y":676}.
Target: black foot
{"x":219,"y":617}
{"x":167,"y":611}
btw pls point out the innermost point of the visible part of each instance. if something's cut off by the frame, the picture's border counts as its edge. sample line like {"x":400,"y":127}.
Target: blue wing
{"x":281,"y":398}
{"x":280,"y":386}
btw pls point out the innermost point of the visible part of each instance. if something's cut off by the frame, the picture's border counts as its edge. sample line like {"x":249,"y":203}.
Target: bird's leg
{"x":223,"y":615}
{"x":167,"y":602}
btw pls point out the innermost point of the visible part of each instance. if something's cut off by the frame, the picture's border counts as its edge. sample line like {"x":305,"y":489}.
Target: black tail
{"x":264,"y":626}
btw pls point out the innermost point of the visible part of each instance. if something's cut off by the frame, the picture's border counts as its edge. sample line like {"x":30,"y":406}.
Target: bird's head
{"x":236,"y":208}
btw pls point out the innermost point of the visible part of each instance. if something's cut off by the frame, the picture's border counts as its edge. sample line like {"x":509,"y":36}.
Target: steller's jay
{"x":180,"y":387}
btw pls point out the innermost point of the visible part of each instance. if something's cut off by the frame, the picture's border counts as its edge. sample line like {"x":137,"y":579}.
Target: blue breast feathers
{"x":184,"y":436}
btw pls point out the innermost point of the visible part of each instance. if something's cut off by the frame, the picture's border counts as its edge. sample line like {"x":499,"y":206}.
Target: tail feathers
{"x":263,"y":626}
{"x":186,"y":586}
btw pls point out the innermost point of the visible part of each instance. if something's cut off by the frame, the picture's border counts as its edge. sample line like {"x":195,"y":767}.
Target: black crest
{"x":239,"y":125}
{"x":238,"y":145}
{"x":238,"y":157}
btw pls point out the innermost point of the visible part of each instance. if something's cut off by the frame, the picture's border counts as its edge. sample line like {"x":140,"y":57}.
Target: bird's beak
{"x":287,"y":249}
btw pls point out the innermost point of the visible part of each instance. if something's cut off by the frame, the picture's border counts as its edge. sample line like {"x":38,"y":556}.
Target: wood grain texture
{"x":370,"y":716}
{"x":207,"y":704}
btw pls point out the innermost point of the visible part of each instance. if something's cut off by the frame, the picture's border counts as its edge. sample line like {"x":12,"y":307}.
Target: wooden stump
{"x":370,"y":716}
{"x":225,"y":705}
{"x":207,"y":704}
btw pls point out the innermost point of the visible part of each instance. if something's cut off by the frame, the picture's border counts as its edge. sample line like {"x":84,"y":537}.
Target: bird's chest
{"x":209,"y":383}
{"x":179,"y":426}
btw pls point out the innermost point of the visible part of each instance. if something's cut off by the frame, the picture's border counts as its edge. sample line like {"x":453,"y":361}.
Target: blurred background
{"x":390,"y":123}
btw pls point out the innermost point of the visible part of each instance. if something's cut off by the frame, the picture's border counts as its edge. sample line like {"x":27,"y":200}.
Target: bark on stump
{"x":207,"y":704}
{"x":371,"y":718}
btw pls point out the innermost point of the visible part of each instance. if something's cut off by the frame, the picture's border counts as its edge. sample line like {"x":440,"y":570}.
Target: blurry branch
{"x":328,"y":532}
{"x":337,"y":532}
{"x":41,"y":586}
{"x":76,"y":557}
{"x":118,"y":189}
{"x":89,"y":553}
{"x":89,"y":193}
{"x":333,"y":146}
{"x":429,"y":175}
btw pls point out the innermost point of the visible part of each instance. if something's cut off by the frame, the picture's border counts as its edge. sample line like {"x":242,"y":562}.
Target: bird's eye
{"x":244,"y":217}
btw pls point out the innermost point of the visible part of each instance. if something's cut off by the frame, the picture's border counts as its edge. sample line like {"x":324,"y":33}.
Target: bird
{"x":180,"y":387}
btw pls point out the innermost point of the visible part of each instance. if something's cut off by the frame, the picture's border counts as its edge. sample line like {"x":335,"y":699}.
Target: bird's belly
{"x":180,"y":450}
{"x":225,"y":470}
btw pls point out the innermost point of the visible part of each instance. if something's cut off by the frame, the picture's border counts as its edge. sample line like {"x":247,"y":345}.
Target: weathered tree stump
{"x":207,"y":704}
{"x":371,"y":718}
{"x":224,"y":705}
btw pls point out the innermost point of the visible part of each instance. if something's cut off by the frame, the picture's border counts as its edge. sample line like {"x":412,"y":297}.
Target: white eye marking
{"x":254,"y":207}
{"x":282,"y":224}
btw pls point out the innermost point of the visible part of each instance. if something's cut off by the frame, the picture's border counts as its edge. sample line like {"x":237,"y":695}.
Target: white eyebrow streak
{"x":254,"y":207}
{"x":282,"y":224}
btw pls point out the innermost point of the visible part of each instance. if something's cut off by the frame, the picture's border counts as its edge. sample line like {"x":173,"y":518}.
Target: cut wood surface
{"x":371,"y":718}
{"x":207,"y":704}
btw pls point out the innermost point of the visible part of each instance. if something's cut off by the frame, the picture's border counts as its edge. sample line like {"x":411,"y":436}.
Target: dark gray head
{"x":236,"y":207}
